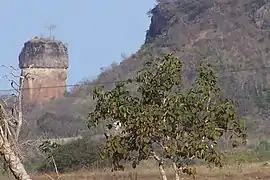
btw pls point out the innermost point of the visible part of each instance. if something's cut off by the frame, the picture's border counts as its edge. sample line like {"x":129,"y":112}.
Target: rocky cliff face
{"x":46,"y":79}
{"x":232,"y":34}
{"x":44,"y":53}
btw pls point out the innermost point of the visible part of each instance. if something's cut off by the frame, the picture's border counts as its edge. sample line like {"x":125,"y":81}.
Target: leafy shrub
{"x":241,"y":157}
{"x":263,"y":146}
{"x":259,"y":154}
{"x":80,"y":154}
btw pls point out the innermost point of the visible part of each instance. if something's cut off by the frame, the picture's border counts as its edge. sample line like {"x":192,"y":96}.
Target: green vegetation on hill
{"x":81,"y":154}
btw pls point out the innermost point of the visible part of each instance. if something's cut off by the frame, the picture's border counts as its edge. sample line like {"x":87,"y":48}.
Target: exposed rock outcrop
{"x":46,"y":79}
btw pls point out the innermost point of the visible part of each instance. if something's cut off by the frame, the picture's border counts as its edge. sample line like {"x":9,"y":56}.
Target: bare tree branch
{"x":11,"y":119}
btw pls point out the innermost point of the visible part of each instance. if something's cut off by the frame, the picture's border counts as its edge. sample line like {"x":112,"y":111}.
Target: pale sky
{"x":97,"y":32}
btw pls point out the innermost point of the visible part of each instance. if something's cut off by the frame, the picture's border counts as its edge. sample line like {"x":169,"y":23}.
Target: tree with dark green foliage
{"x":167,"y":121}
{"x":73,"y":156}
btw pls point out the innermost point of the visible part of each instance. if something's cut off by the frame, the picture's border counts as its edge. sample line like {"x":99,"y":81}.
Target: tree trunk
{"x":55,"y":167}
{"x":160,"y":166}
{"x":176,"y":171}
{"x":13,"y":161}
{"x":162,"y":172}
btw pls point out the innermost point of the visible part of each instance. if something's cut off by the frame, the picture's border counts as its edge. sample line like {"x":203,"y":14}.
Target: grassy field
{"x":236,"y":172}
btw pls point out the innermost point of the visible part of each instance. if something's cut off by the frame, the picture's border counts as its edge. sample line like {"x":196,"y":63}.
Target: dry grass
{"x":243,"y":172}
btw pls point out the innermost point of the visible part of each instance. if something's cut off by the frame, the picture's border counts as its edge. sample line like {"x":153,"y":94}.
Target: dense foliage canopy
{"x":178,"y":122}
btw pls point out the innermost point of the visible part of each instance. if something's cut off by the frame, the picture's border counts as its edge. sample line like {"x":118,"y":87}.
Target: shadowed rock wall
{"x":46,"y":79}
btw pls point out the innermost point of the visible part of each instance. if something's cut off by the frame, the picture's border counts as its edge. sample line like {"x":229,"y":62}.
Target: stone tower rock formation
{"x":46,"y":79}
